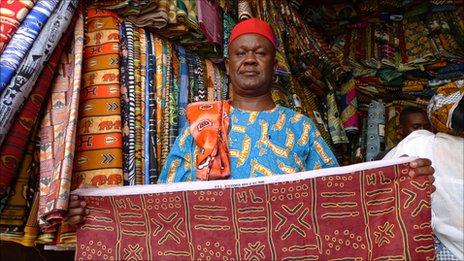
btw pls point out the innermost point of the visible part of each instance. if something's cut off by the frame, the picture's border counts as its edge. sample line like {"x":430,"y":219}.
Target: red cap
{"x":253,"y":26}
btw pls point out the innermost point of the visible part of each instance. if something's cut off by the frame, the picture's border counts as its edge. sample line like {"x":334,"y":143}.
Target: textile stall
{"x":93,"y":93}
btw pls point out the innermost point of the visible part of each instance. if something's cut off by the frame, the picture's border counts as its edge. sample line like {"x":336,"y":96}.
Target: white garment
{"x":447,"y":155}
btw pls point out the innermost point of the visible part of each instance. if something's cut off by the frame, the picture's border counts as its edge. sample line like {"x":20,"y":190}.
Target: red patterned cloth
{"x":11,"y":15}
{"x":367,"y":211}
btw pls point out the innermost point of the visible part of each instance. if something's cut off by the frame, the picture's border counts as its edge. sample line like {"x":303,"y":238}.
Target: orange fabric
{"x":209,"y":126}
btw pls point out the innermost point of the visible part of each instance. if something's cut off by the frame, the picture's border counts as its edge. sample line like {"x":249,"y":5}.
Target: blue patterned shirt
{"x":265,"y":143}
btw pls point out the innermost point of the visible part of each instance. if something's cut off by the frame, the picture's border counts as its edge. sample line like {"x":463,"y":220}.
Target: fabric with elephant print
{"x":368,"y":211}
{"x":98,"y":159}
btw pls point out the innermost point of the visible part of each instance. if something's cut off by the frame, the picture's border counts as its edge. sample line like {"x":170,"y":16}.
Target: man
{"x":251,"y":135}
{"x":411,"y":119}
{"x":446,"y":150}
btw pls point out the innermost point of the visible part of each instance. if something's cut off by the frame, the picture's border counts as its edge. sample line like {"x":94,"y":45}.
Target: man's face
{"x":251,"y":65}
{"x":415,"y":121}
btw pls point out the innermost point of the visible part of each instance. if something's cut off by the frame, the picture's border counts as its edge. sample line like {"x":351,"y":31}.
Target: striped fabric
{"x":150,"y":114}
{"x":128,"y":99}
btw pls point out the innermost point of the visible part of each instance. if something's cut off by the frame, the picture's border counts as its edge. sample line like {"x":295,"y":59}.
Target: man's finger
{"x":74,"y":220}
{"x":420,"y":163}
{"x":431,"y":179}
{"x":77,"y":211}
{"x":75,"y":203}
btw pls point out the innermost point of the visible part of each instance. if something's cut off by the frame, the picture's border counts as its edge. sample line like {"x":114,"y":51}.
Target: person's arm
{"x":180,"y":163}
{"x":319,"y":154}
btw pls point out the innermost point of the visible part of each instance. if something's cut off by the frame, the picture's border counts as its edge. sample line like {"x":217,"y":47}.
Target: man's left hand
{"x":422,"y":167}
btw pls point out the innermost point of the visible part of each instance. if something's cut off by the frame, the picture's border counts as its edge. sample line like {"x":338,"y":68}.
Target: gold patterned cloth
{"x":442,"y":107}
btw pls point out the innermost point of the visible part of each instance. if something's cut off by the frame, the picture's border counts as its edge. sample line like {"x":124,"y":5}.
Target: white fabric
{"x":447,"y":155}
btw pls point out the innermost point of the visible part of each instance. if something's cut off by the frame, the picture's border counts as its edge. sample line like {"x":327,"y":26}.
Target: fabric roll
{"x":139,"y":63}
{"x":184,"y":84}
{"x":98,"y":158}
{"x":209,"y":79}
{"x":11,"y":152}
{"x":138,"y":108}
{"x":418,"y":45}
{"x":144,"y":59}
{"x":375,"y":129}
{"x":21,"y":84}
{"x":28,"y":235}
{"x":201,"y":91}
{"x":150,"y":115}
{"x":210,"y":21}
{"x":174,"y":98}
{"x":166,"y":89}
{"x":218,"y":84}
{"x":244,"y":10}
{"x":22,"y":40}
{"x":172,"y":14}
{"x":228,"y":23}
{"x":128,"y":98}
{"x":159,"y":75}
{"x":442,"y":106}
{"x":156,"y":19}
{"x":336,"y":130}
{"x":391,"y":126}
{"x":12,"y":14}
{"x":16,"y":208}
{"x":58,"y":133}
{"x":349,"y":106}
{"x":192,"y":21}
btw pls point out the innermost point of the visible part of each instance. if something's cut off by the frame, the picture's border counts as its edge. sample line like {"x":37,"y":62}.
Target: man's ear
{"x":226,"y":64}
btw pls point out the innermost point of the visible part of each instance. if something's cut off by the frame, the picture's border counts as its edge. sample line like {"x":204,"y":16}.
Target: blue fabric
{"x":149,"y":87}
{"x":184,"y":85}
{"x":23,"y":39}
{"x":274,"y":142}
{"x":376,"y":118}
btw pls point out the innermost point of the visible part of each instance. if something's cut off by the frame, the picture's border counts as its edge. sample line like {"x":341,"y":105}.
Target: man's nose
{"x":250,"y":58}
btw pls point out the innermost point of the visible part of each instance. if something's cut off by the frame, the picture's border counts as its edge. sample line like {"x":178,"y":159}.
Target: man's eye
{"x":240,"y":53}
{"x":261,"y":53}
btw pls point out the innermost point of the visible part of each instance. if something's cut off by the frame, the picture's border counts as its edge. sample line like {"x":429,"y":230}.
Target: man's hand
{"x":76,"y":210}
{"x":422,"y":167}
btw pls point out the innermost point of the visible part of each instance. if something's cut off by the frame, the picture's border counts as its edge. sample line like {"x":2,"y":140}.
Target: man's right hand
{"x":76,"y":210}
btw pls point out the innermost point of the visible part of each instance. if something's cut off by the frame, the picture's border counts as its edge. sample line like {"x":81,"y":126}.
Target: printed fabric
{"x":98,"y":157}
{"x":11,"y":152}
{"x":13,"y":12}
{"x":364,"y":212}
{"x":209,"y":124}
{"x":23,"y":39}
{"x":273,"y":142}
{"x":375,"y":129}
{"x":21,"y":84}
{"x":58,"y":132}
